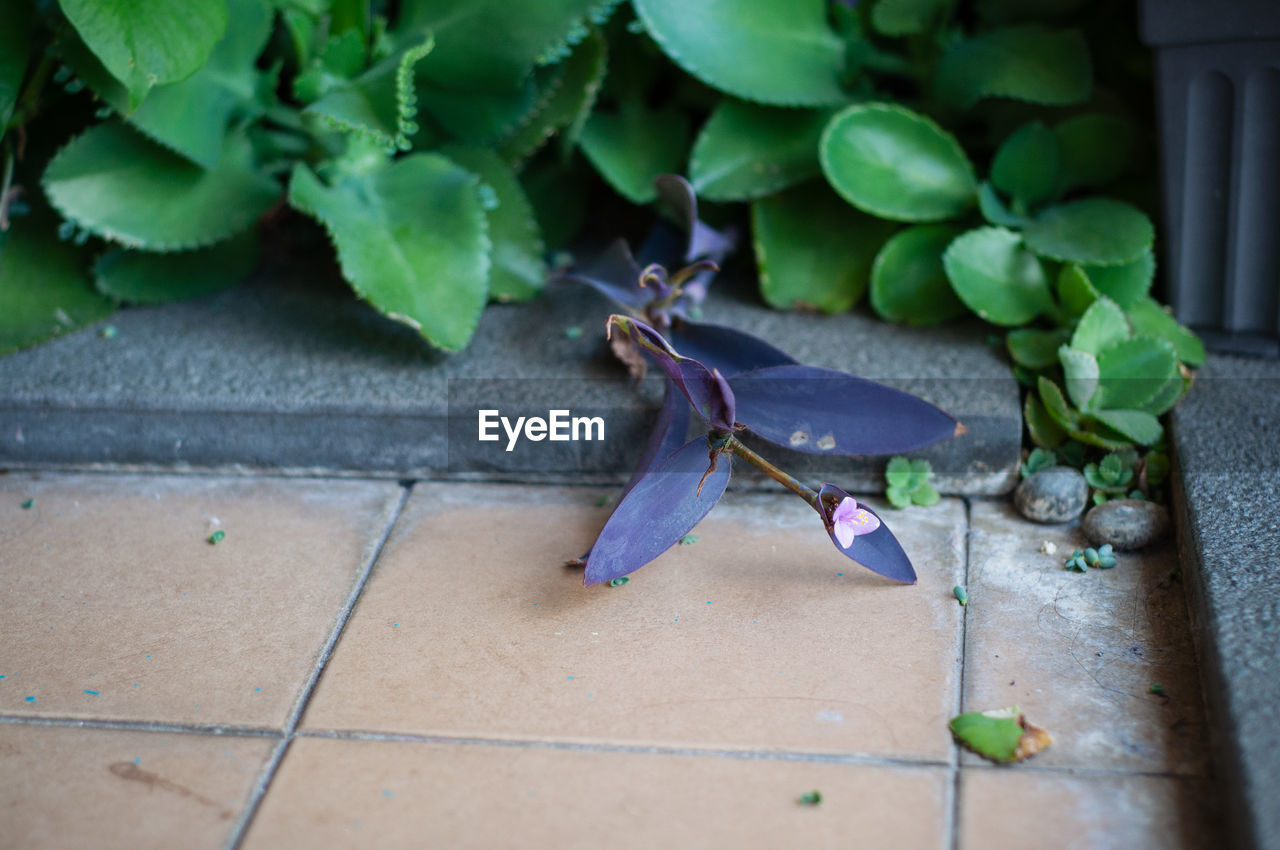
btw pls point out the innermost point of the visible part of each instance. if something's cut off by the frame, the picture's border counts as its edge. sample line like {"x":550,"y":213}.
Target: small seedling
{"x":1076,"y":563}
{"x":962,"y":596}
{"x":1102,"y":558}
{"x":1112,"y":474}
{"x":908,"y":482}
{"x":28,"y":504}
{"x":689,"y":539}
{"x":1038,"y":460}
{"x":619,"y":581}
{"x":810,"y":798}
{"x":216,"y":537}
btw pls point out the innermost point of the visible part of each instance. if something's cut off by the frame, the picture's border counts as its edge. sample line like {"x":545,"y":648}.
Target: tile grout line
{"x":953,"y":813}
{"x":219,"y":729}
{"x":269,"y":770}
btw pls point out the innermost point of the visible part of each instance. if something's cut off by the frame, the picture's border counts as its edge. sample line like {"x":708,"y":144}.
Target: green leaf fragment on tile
{"x":28,"y":504}
{"x":810,"y":798}
{"x":109,"y":332}
{"x":1003,"y":736}
{"x":962,"y":596}
{"x":217,"y":537}
{"x":689,"y":539}
{"x":1157,"y":689}
{"x":619,"y":581}
{"x":603,"y":500}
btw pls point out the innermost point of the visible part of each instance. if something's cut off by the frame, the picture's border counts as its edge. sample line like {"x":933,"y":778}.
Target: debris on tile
{"x":216,"y":537}
{"x":619,"y":581}
{"x":603,"y":500}
{"x":1048,"y":548}
{"x":689,"y":539}
{"x":1157,"y":689}
{"x":810,"y":798}
{"x":93,"y":693}
{"x":1003,"y":736}
{"x":28,"y":504}
{"x":962,"y":596}
{"x":572,"y":332}
{"x":109,"y":332}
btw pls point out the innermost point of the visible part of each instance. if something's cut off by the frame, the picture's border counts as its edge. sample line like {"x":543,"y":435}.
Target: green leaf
{"x":896,"y":164}
{"x":1093,"y":150}
{"x":192,"y":116}
{"x":898,"y":472}
{"x":558,"y":192}
{"x":1036,"y":349}
{"x":921,"y":472}
{"x":1102,"y":326}
{"x":1032,"y":63}
{"x":746,"y":151}
{"x":141,"y":277}
{"x":1038,"y":460}
{"x":493,"y":45}
{"x":1026,"y":165}
{"x":518,"y":272}
{"x":908,"y":283}
{"x":15,"y":47}
{"x":813,"y":250}
{"x":381,"y":103}
{"x":1080,"y":374}
{"x":996,"y":277}
{"x":1137,"y":425}
{"x":783,"y":54}
{"x":906,"y":17}
{"x":1133,"y":372}
{"x":341,"y":59}
{"x":483,"y":118}
{"x":565,"y":95}
{"x":631,"y":147}
{"x":993,"y":209}
{"x":1055,"y":404}
{"x":898,"y":497}
{"x":1125,"y":284}
{"x":119,"y":185}
{"x":1167,"y":396}
{"x":1075,"y":290}
{"x":1094,"y":231}
{"x":1150,"y":319}
{"x":994,"y":735}
{"x":411,"y":239}
{"x":145,"y":43}
{"x":925,"y":496}
{"x":44,"y":292}
{"x":1043,"y":428}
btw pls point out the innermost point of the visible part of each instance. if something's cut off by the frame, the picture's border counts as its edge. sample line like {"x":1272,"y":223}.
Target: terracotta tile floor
{"x":364,"y":664}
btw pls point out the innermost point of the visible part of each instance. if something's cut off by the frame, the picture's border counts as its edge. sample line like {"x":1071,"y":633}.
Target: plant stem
{"x":809,"y":495}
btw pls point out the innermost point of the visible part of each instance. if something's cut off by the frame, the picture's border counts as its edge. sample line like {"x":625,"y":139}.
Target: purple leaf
{"x":878,"y":551}
{"x":730,"y":350}
{"x":614,"y":274}
{"x":703,"y":242}
{"x":667,"y":436}
{"x":706,"y":389}
{"x":822,"y":411}
{"x":662,"y":508}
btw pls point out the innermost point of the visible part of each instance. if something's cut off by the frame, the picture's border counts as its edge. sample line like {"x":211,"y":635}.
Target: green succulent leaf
{"x":1080,"y":374}
{"x":996,"y":277}
{"x":1126,"y":284}
{"x":1093,"y":150}
{"x":994,"y":735}
{"x":1043,"y":428}
{"x":896,"y":164}
{"x":15,"y":47}
{"x":44,"y":292}
{"x":1093,"y":231}
{"x":906,"y":17}
{"x":381,"y":103}
{"x":121,"y":186}
{"x":1133,"y":372}
{"x":1102,"y":326}
{"x":1032,"y":63}
{"x":1150,"y":319}
{"x":192,"y":116}
{"x":813,"y":250}
{"x":1036,"y":349}
{"x":926,"y":496}
{"x":785,"y":54}
{"x":1038,"y":459}
{"x":1167,"y":396}
{"x":994,"y":210}
{"x":1026,"y":165}
{"x":746,"y":151}
{"x":146,"y":43}
{"x":518,"y":270}
{"x":565,"y":95}
{"x":897,"y":473}
{"x":340,"y":60}
{"x":482,"y":118}
{"x":1075,"y":290}
{"x":631,"y":147}
{"x":920,"y":471}
{"x":477,"y":47}
{"x":908,"y":282}
{"x":412,"y":240}
{"x":898,"y":497}
{"x":1136,"y":425}
{"x":1055,"y":404}
{"x":141,"y":277}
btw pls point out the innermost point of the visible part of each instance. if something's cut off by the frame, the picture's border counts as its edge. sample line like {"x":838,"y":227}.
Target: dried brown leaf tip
{"x":1003,"y":736}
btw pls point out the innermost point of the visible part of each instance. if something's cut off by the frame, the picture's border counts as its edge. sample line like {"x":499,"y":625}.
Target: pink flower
{"x":848,"y":521}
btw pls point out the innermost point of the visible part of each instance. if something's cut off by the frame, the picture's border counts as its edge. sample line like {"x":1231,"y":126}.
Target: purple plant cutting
{"x":809,"y":409}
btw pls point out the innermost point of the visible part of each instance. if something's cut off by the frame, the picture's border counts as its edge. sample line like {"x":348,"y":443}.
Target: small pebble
{"x":1126,"y":524}
{"x":1057,"y":494}
{"x":1048,"y":547}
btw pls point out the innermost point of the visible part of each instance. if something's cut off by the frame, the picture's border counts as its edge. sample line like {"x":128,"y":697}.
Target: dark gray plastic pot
{"x":1218,"y":98}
